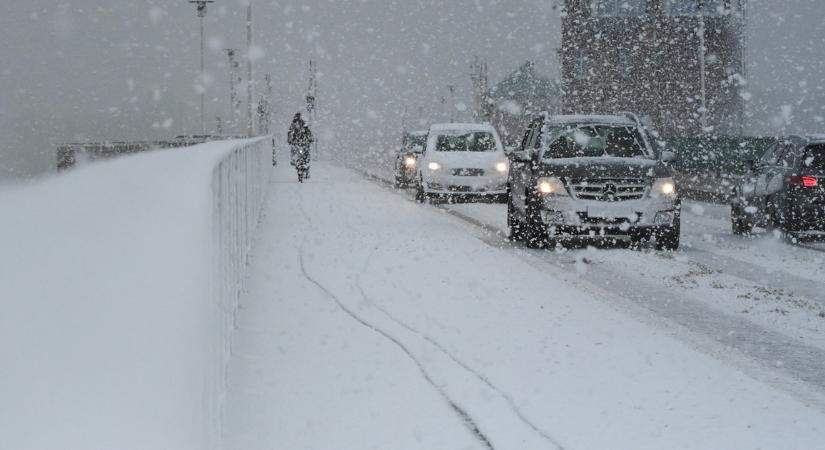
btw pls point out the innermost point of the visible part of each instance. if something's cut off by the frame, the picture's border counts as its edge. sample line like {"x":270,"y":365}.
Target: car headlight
{"x":409,"y":161}
{"x":551,"y":186}
{"x":434,"y":166}
{"x":502,"y":167}
{"x":664,"y":186}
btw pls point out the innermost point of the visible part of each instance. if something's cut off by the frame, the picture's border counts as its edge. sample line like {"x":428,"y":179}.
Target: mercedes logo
{"x":609,"y":192}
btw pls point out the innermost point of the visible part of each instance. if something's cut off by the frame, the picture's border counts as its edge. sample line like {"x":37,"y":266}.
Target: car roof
{"x":461,"y":127}
{"x":591,"y":118}
{"x":816,"y":138}
{"x":417,"y":133}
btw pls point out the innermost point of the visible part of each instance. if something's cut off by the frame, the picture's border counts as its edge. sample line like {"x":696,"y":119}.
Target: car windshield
{"x":415,"y":143}
{"x":597,"y":141}
{"x":476,"y":141}
{"x":814,"y":159}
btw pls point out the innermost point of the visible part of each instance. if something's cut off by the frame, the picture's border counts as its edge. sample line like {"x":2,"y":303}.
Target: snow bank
{"x":118,"y":285}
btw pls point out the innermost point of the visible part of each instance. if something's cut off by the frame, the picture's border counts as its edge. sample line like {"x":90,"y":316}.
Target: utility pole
{"x":312,"y":99}
{"x":478,"y":75}
{"x":265,"y":108}
{"x":451,"y":88}
{"x":249,"y":80}
{"x":201,"y":9}
{"x":234,"y":80}
{"x":703,"y":112}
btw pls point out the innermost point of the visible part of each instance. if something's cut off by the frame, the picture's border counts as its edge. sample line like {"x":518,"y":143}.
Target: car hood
{"x":604,"y":168}
{"x":466,"y":159}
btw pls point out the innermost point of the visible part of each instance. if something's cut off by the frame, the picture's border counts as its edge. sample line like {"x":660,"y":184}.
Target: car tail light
{"x":808,"y":182}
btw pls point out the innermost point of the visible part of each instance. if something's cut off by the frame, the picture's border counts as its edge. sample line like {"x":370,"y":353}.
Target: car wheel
{"x":668,"y":238}
{"x":515,"y":226}
{"x":637,"y":241}
{"x":420,"y":195}
{"x":534,"y":233}
{"x":740,"y":223}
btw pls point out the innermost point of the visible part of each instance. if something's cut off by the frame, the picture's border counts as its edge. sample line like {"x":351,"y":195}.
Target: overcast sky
{"x":126,"y":69}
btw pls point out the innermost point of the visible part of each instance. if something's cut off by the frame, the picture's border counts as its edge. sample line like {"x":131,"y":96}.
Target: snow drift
{"x":118,"y":287}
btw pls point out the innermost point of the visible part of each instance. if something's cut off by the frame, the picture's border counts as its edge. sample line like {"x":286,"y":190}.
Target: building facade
{"x":514,"y":101}
{"x":681,"y":63}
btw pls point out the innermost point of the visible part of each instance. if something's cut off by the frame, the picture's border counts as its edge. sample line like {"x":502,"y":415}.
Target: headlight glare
{"x":434,"y":166}
{"x":409,"y":161}
{"x":551,"y":186}
{"x":502,"y":167}
{"x":664,"y":186}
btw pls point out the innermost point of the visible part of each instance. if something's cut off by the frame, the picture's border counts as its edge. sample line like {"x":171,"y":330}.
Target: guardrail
{"x":71,"y":154}
{"x":120,"y":284}
{"x":239,"y":184}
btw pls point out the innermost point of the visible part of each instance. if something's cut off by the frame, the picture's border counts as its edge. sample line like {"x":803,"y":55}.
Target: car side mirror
{"x":510,"y":149}
{"x":668,"y":156}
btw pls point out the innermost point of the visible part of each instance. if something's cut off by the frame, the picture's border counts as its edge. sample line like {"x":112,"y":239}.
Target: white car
{"x":462,"y":160}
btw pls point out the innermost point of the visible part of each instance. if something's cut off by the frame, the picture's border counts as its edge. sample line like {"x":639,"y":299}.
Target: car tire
{"x":637,"y":241}
{"x":739,"y":223}
{"x":534,"y":233}
{"x":513,"y":224}
{"x":420,"y":195}
{"x":668,"y":238}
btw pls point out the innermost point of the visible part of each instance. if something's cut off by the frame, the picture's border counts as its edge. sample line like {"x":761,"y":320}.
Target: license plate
{"x":609,"y":212}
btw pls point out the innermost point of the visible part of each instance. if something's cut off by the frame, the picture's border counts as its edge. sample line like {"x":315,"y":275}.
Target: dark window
{"x":789,"y":157}
{"x":527,"y":135}
{"x":813,"y":160}
{"x":598,"y":141}
{"x":469,"y":142}
{"x":771,"y":155}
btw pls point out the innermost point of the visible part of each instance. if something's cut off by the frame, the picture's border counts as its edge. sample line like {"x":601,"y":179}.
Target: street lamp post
{"x":703,"y":113}
{"x":201,"y":9}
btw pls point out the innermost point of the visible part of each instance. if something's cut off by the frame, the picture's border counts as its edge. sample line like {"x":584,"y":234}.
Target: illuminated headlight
{"x":551,"y":186}
{"x":409,"y":161}
{"x":502,"y":167}
{"x":664,"y":186}
{"x":434,"y":166}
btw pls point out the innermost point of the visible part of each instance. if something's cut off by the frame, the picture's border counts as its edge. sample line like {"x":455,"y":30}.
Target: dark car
{"x":783,"y":189}
{"x":406,"y":159}
{"x":590,"y":177}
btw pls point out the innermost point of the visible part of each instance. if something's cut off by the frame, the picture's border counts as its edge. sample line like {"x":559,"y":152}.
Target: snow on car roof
{"x":816,"y":138}
{"x":461,"y":127}
{"x":592,"y":118}
{"x":418,"y":133}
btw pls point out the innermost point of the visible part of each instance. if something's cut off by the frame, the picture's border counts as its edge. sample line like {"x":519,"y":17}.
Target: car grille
{"x":468,"y":172}
{"x":608,"y":189}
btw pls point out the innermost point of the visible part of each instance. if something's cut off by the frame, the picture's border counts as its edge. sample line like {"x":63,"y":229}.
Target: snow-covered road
{"x":374,"y":322}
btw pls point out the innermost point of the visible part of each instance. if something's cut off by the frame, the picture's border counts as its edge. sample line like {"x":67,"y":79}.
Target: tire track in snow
{"x":478,"y":375}
{"x":463,"y":415}
{"x":764,"y":353}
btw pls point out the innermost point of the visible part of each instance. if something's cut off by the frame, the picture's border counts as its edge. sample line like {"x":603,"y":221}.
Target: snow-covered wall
{"x":118,"y":287}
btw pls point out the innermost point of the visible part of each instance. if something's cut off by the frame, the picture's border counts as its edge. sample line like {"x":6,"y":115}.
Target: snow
{"x":457,"y":127}
{"x":111,"y":336}
{"x":375,"y":322}
{"x":591,"y":119}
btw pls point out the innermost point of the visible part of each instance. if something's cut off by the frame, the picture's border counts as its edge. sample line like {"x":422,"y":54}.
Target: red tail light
{"x":808,"y":182}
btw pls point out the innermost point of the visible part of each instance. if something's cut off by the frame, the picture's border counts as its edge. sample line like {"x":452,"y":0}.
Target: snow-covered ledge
{"x":118,"y":287}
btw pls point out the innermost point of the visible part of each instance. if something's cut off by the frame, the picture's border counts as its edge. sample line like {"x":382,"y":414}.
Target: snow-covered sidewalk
{"x":374,"y":322}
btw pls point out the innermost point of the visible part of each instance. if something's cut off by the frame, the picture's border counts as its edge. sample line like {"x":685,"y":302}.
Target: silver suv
{"x":594,"y":176}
